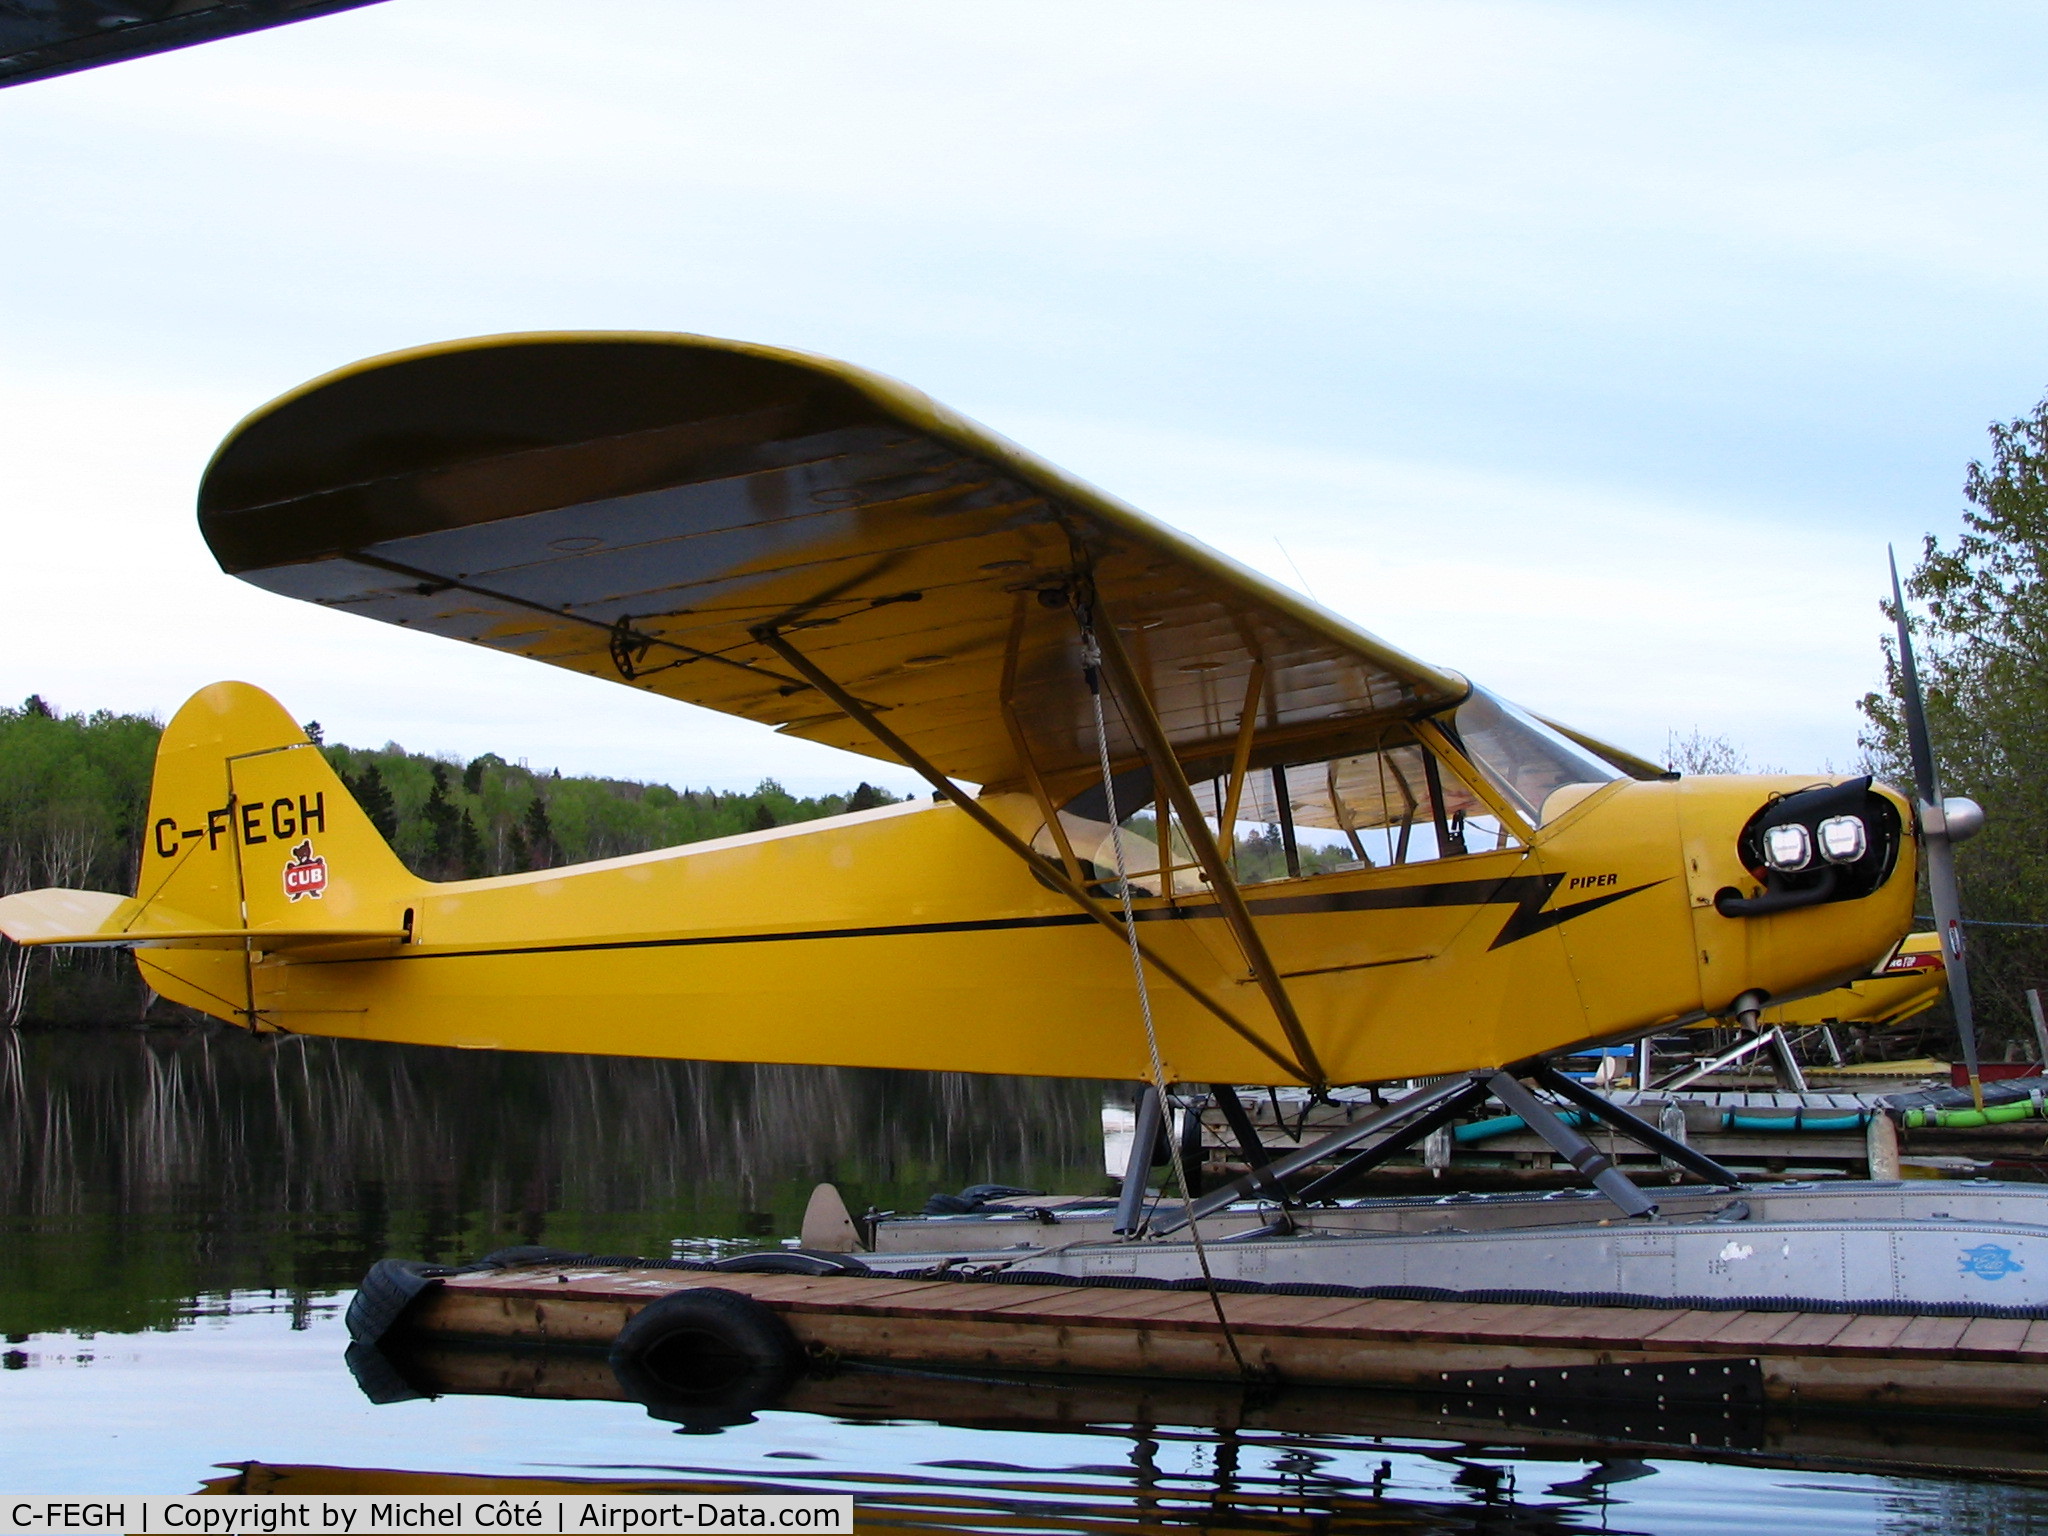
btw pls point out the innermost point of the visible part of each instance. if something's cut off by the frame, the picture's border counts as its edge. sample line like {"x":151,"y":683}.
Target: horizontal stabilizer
{"x":101,"y":919}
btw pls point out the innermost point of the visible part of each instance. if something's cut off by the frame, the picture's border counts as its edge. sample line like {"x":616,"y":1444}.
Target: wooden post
{"x":1881,"y":1144}
{"x":1436,"y":1151}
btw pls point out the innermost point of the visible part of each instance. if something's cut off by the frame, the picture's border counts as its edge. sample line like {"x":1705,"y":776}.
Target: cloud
{"x":1593,"y":350}
{"x":1620,"y":614}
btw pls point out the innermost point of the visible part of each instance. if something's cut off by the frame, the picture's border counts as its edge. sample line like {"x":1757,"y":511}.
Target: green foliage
{"x":74,"y":795}
{"x":1982,"y":644}
{"x":73,"y":792}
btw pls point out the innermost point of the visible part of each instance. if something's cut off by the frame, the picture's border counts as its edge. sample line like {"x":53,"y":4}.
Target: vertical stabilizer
{"x":252,"y":834}
{"x":249,"y":828}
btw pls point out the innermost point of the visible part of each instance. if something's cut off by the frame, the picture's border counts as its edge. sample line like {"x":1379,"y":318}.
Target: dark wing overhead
{"x":633,"y":506}
{"x":42,"y":38}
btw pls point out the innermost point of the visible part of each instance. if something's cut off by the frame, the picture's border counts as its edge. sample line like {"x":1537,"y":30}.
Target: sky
{"x":1594,"y":350}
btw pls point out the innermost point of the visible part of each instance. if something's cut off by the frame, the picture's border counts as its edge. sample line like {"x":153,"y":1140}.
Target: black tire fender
{"x":705,"y":1357}
{"x":386,"y":1292}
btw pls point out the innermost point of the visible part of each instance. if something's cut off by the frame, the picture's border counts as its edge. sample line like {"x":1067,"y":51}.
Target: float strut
{"x":1248,"y":1141}
{"x":1634,"y":1127}
{"x":1130,"y":1200}
{"x":1337,"y":1178}
{"x":1685,"y":1077}
{"x":1569,"y":1144}
{"x":1786,"y":1063}
{"x":1286,"y":1166}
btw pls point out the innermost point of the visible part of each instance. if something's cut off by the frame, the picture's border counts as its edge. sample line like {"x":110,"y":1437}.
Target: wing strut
{"x":1167,"y":771}
{"x":1006,"y":701}
{"x":1053,"y":873}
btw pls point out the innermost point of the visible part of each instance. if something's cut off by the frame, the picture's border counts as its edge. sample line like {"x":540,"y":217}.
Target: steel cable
{"x":1091,"y":656}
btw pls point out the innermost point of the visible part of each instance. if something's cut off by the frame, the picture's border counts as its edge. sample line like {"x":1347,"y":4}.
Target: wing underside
{"x":640,"y":507}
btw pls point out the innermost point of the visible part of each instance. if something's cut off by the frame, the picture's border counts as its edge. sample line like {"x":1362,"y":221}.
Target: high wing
{"x":642,"y":506}
{"x":40,"y":40}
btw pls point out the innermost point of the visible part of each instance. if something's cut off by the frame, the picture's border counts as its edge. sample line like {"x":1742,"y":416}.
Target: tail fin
{"x":252,"y":841}
{"x":250,"y":829}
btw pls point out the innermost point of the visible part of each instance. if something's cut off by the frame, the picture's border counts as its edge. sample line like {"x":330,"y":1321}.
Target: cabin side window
{"x":1392,"y":805}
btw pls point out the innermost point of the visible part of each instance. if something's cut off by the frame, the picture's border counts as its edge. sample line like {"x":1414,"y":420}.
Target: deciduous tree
{"x":1978,"y":609}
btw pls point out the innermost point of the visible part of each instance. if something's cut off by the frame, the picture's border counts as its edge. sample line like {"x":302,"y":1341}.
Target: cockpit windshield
{"x":1525,"y":759}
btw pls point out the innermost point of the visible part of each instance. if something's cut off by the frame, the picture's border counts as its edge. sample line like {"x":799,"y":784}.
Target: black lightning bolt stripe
{"x":1527,"y":894}
{"x":1531,"y":916}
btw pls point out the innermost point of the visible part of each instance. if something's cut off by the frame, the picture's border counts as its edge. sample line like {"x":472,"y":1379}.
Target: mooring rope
{"x":1091,"y":656}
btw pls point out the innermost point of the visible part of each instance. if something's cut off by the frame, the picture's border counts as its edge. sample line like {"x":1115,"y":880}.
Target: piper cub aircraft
{"x":1339,"y":863}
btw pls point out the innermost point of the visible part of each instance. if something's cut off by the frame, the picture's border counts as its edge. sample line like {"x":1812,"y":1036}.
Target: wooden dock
{"x":1931,"y":1362}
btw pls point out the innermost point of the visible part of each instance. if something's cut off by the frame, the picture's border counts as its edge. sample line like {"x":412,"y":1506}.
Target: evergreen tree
{"x":474,"y":865}
{"x":763,"y":817}
{"x":541,"y":851}
{"x":444,"y":839}
{"x":867,"y":797}
{"x":375,"y":798}
{"x":1983,"y":649}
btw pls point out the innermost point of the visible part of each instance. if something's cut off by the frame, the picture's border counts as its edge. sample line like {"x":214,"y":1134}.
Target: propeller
{"x":1938,"y":839}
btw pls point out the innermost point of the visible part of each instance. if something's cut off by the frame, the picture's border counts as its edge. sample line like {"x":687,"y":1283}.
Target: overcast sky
{"x":1593,"y":350}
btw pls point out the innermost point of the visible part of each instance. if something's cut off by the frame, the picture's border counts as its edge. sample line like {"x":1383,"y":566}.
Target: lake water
{"x":183,"y":1214}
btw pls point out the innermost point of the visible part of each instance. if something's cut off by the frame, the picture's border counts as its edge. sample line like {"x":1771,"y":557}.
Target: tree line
{"x":450,"y":820}
{"x":1978,"y":610}
{"x":74,"y":797}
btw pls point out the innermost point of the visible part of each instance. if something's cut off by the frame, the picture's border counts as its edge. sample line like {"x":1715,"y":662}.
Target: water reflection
{"x":1247,"y":1486}
{"x":144,"y":1169}
{"x":184,"y":1213}
{"x":1614,"y":1439}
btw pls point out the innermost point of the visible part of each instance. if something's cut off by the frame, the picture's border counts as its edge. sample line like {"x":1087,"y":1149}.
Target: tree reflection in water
{"x":143,"y":1171}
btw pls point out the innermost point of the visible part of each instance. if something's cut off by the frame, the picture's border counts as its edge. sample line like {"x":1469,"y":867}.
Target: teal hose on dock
{"x":1798,"y":1120}
{"x":1506,"y":1125}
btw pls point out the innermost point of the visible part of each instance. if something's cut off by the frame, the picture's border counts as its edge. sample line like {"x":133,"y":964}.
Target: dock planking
{"x":1310,"y":1340}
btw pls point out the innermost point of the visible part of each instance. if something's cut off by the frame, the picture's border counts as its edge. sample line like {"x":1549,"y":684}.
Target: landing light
{"x":1788,"y":847}
{"x":1843,"y":839}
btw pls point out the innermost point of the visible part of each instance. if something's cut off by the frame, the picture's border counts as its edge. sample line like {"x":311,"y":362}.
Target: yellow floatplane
{"x":1342,"y":864}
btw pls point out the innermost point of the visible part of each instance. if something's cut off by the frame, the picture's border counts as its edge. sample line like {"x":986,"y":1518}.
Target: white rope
{"x":1092,"y":657}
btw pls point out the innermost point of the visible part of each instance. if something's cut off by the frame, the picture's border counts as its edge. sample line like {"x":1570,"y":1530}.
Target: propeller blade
{"x":1936,"y":848}
{"x":1919,"y":745}
{"x":1941,"y":884}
